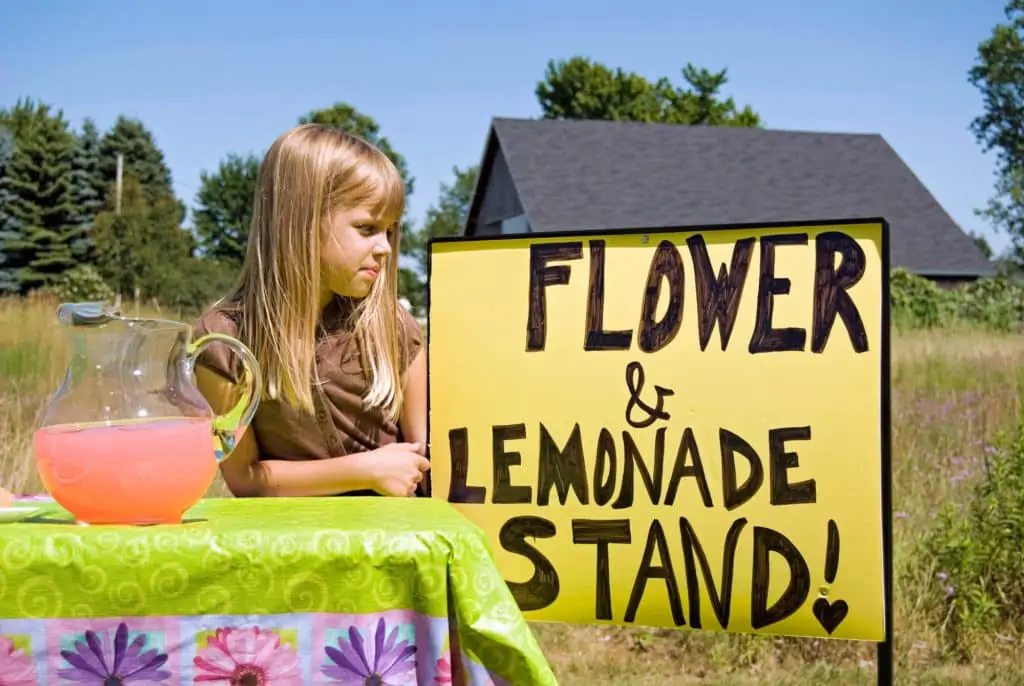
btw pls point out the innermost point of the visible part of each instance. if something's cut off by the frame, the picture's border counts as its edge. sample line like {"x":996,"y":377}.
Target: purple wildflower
{"x":902,"y":515}
{"x":386,"y":661}
{"x":942,"y":576}
{"x":958,"y":477}
{"x":106,"y":661}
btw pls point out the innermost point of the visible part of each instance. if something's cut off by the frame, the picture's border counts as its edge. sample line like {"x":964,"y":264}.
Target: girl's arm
{"x":247,"y":476}
{"x":413,"y":418}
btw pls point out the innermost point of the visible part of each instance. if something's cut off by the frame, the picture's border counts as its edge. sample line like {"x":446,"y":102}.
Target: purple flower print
{"x":103,"y":661}
{"x":387,"y":663}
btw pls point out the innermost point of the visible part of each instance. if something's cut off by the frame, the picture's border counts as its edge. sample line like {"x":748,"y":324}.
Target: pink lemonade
{"x":133,"y":472}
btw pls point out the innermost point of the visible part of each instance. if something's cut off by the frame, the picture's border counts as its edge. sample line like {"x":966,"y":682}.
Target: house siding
{"x":500,"y":199}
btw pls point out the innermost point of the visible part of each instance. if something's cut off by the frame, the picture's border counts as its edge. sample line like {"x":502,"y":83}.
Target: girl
{"x":343,"y":409}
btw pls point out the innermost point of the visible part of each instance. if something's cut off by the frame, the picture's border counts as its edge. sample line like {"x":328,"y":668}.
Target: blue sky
{"x":209,"y":78}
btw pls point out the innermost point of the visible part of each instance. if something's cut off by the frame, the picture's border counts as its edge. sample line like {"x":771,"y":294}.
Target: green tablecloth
{"x":402,"y":589}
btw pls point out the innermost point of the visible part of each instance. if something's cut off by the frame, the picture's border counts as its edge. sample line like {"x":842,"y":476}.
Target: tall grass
{"x":953,"y":394}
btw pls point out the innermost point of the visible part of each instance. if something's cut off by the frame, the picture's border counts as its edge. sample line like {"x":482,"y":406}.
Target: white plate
{"x":17,"y":514}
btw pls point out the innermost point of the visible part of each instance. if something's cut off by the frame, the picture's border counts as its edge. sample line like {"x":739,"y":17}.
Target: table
{"x":262,"y":591}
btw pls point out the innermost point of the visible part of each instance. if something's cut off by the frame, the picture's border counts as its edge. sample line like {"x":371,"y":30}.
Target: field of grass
{"x":953,"y":394}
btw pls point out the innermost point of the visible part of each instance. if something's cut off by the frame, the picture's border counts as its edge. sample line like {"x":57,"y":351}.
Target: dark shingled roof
{"x":591,"y":175}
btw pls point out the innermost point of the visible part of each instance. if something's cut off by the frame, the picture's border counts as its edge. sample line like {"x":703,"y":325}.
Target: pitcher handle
{"x":228,"y":427}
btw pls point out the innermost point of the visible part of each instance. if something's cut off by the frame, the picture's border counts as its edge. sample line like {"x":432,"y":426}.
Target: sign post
{"x":673,"y":428}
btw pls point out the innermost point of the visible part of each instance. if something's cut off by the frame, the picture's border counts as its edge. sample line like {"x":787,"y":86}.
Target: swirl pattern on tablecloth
{"x":275,"y":557}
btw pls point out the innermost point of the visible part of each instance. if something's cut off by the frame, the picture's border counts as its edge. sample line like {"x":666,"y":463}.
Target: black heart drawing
{"x":830,"y":615}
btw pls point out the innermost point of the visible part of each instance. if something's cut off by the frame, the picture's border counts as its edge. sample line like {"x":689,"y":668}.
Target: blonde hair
{"x":307,"y":174}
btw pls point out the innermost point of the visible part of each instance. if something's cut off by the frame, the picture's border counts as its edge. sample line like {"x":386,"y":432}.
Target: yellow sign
{"x":677,"y":429}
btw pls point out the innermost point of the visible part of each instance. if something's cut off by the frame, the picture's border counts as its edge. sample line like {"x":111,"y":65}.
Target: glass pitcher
{"x":128,"y":438}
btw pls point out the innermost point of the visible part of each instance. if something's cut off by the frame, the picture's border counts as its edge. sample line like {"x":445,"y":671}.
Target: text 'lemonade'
{"x":131,"y":472}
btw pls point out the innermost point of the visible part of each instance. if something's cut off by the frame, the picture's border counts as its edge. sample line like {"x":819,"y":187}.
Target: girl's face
{"x":354,"y":253}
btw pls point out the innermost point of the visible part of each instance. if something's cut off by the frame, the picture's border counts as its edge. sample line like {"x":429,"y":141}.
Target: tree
{"x":343,"y":116}
{"x":9,"y":224}
{"x":143,"y":159}
{"x":145,"y":251}
{"x":579,"y":88}
{"x":982,"y":244}
{"x":445,"y":218}
{"x":142,"y":247}
{"x":998,"y":73}
{"x":224,"y":208}
{"x":88,"y":186}
{"x":39,"y":177}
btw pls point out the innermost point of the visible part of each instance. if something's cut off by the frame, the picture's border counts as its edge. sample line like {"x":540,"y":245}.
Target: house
{"x":541,"y":175}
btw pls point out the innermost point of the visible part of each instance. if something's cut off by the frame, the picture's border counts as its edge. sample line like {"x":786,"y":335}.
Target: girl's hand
{"x":396,"y":469}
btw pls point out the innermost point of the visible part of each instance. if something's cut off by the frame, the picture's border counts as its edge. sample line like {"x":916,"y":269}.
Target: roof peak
{"x":661,"y":126}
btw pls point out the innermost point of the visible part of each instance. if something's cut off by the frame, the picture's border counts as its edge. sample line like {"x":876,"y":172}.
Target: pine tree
{"x":9,"y":224}
{"x":88,"y":186}
{"x":143,"y":159}
{"x":39,"y":174}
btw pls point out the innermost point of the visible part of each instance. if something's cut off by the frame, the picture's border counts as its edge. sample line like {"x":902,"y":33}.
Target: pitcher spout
{"x":87,"y":313}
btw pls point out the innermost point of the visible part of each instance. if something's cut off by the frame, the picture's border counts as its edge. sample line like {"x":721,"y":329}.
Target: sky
{"x":211,"y":78}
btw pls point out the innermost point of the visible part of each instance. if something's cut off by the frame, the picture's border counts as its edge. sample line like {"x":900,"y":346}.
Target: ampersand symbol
{"x":635,"y":384}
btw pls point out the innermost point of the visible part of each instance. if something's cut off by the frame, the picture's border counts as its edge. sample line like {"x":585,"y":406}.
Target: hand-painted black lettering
{"x":767,"y":541}
{"x":542,"y":588}
{"x":688,"y":446}
{"x":765,"y":338}
{"x":561,"y":467}
{"x":504,"y":492}
{"x":459,"y":492}
{"x":633,"y":459}
{"x":780,"y":461}
{"x":647,"y":570}
{"x":635,"y":385}
{"x":625,"y":499}
{"x":831,"y":289}
{"x":602,"y":533}
{"x":542,"y":276}
{"x":597,"y":338}
{"x":605,"y":468}
{"x":718,"y":299}
{"x":832,"y":552}
{"x":734,"y":495}
{"x":666,"y":264}
{"x":721,"y":597}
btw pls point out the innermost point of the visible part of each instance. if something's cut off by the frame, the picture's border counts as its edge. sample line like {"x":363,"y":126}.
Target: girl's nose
{"x":382,"y":246}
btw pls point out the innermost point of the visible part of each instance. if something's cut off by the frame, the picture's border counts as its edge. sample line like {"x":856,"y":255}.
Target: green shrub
{"x":990,"y":304}
{"x":81,"y":284}
{"x":919,"y":303}
{"x":976,"y":551}
{"x":996,"y":303}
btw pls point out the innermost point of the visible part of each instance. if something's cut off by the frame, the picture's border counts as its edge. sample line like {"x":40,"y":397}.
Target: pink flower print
{"x":388,"y":662}
{"x":247,"y":657}
{"x":443,"y":671}
{"x":16,"y":668}
{"x":104,"y":660}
